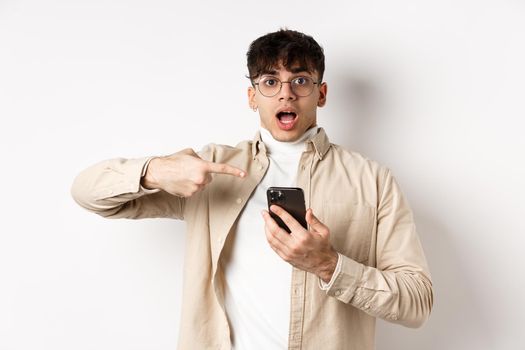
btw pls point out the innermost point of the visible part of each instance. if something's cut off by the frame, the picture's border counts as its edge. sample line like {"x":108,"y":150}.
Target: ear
{"x":251,"y":97}
{"x":323,"y":89}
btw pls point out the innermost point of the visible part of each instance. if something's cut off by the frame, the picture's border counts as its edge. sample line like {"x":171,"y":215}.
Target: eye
{"x":270,"y":82}
{"x":301,"y":81}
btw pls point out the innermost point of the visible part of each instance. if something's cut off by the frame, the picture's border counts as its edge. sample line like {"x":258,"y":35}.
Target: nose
{"x":286,"y":92}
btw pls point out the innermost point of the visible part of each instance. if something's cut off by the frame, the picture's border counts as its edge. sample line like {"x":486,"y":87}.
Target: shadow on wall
{"x":365,"y":112}
{"x":458,"y":320}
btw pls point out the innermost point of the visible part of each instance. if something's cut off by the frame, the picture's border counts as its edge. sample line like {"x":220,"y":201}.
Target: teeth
{"x":286,"y":113}
{"x":287,"y":117}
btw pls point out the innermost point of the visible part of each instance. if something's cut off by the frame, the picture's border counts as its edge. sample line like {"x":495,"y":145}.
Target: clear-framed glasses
{"x":301,"y":86}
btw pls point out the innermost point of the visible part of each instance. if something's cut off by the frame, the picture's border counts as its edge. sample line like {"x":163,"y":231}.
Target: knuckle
{"x":295,"y":250}
{"x":200,"y":179}
{"x":301,"y":241}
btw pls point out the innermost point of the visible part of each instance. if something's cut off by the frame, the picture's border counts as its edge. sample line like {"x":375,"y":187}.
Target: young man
{"x":248,"y":284}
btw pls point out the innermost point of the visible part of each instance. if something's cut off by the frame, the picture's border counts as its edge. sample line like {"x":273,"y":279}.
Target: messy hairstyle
{"x":291,"y":48}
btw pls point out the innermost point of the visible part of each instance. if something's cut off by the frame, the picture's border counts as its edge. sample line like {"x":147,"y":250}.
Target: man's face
{"x":287,"y":116}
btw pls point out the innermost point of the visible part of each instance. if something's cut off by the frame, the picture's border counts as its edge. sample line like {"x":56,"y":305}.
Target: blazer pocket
{"x":351,"y":227}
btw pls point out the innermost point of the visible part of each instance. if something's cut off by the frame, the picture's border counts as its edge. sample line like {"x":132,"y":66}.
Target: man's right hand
{"x":184,"y":173}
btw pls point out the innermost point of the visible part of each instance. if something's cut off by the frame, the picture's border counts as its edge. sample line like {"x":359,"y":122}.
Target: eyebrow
{"x":293,"y":70}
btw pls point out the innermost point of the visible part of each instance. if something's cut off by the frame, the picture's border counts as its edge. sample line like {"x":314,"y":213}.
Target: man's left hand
{"x":308,"y":250}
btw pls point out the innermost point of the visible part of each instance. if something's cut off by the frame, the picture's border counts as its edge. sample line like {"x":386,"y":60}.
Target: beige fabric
{"x":383,"y":272}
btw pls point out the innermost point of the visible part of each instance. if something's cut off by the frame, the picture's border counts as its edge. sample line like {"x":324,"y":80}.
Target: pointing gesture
{"x":184,"y":173}
{"x":220,"y":168}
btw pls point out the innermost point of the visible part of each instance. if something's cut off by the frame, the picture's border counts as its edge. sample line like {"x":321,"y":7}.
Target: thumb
{"x":314,"y":223}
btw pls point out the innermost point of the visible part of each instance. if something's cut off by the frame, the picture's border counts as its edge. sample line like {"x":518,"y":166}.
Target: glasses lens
{"x":302,"y":86}
{"x":269,"y":86}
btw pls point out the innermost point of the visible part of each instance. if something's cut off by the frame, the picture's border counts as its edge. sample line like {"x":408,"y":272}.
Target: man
{"x":248,"y":284}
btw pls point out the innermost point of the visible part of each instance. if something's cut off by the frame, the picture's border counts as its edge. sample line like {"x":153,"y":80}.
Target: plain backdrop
{"x":432,"y":89}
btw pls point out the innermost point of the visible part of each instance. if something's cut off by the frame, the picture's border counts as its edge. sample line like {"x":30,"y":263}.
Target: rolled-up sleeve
{"x":113,"y":189}
{"x":399,"y":288}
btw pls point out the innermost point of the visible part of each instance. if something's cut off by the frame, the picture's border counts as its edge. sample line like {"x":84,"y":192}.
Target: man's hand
{"x":184,"y":173}
{"x":310,"y":251}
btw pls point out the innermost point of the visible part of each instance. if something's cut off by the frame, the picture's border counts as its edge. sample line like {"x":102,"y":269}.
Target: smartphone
{"x":290,"y":199}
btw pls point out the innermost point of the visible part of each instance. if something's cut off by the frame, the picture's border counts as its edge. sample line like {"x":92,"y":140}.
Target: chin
{"x":286,"y":136}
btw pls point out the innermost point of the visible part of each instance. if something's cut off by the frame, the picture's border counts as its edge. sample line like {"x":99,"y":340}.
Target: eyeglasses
{"x":271,"y":86}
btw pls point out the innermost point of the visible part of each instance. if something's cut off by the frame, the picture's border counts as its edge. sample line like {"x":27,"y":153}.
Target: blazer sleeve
{"x":399,"y":288}
{"x":112,"y":189}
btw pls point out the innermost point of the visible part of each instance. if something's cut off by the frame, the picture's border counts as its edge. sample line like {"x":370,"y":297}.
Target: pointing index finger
{"x":222,"y":168}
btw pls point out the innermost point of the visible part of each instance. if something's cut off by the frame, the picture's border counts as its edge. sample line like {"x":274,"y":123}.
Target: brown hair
{"x":289,"y":47}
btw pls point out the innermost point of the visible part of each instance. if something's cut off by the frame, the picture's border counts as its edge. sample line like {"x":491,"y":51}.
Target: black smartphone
{"x":290,"y":199}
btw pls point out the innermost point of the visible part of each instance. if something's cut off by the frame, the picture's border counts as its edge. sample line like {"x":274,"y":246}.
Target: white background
{"x":434,"y":90}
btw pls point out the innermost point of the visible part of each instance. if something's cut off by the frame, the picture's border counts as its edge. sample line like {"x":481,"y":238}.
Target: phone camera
{"x":277,"y":196}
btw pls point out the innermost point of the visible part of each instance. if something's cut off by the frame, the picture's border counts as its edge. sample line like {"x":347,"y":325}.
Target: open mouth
{"x":286,"y":119}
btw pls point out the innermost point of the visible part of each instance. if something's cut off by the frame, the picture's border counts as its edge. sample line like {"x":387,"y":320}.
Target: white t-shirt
{"x":257,"y":280}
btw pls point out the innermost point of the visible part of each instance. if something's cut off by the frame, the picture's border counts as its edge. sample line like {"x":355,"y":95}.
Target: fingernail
{"x":242,"y":174}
